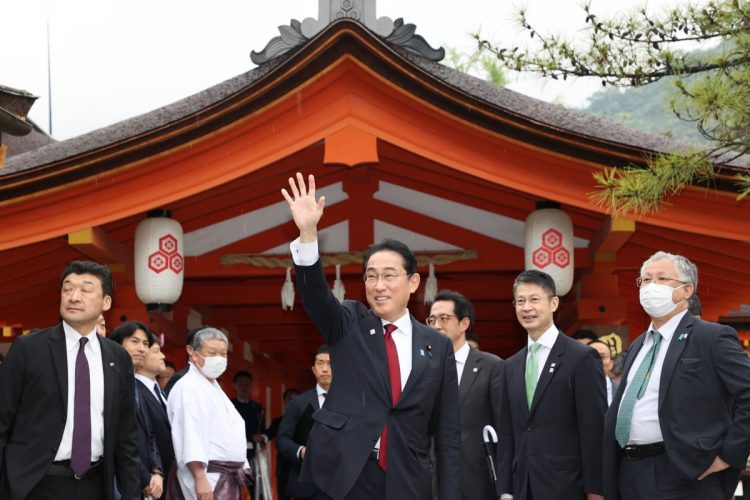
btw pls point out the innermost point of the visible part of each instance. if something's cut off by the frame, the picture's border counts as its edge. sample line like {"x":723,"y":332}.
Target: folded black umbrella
{"x":490,"y":452}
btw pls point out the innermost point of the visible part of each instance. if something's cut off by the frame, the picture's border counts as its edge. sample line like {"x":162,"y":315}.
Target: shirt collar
{"x":548,"y":338}
{"x":148,"y":382}
{"x":667,"y":329}
{"x":320,"y":390}
{"x":72,"y":337}
{"x":463,"y":353}
{"x":403,"y":323}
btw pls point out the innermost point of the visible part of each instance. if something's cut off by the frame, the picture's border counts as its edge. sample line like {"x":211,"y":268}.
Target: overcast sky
{"x":111,"y":60}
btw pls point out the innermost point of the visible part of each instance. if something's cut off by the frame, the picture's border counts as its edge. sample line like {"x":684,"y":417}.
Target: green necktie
{"x":635,"y":390}
{"x":531,"y":372}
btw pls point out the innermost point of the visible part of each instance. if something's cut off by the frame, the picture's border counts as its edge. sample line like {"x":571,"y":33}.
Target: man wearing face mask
{"x":679,"y":424}
{"x":207,"y":432}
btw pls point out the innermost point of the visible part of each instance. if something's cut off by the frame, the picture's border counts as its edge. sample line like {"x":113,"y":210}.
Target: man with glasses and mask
{"x":395,"y":389}
{"x":552,"y":407}
{"x":679,"y":424}
{"x":480,"y":376}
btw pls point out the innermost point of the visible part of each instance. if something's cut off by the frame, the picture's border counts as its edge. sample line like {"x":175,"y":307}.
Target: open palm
{"x":305,"y":209}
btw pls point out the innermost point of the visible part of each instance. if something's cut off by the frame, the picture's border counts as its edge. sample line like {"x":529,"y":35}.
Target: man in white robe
{"x":206,"y":427}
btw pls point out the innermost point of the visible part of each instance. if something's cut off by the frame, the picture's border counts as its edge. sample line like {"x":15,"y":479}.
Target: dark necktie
{"x":394,"y":374}
{"x":157,"y":391}
{"x":80,"y":456}
{"x":323,"y":400}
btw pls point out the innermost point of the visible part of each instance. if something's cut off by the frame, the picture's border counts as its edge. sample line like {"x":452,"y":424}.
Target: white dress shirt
{"x":321,"y":395}
{"x":546,"y":341}
{"x":609,"y":390}
{"x":93,"y":352}
{"x":461,"y":355}
{"x":644,"y":427}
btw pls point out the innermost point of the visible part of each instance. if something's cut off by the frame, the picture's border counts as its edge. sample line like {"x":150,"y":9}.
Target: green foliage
{"x":478,"y":63}
{"x":711,"y":88}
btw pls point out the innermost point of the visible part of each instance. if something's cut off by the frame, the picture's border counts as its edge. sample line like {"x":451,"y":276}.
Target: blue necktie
{"x":635,"y":390}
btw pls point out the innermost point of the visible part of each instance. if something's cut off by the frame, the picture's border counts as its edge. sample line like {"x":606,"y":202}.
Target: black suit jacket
{"x":479,"y":402}
{"x":704,"y":403}
{"x":33,"y":410}
{"x":160,"y":428}
{"x":556,"y":445}
{"x":294,"y":431}
{"x":149,"y":453}
{"x":358,"y":405}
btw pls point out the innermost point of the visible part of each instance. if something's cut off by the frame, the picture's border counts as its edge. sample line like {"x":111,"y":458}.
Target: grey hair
{"x":687,"y":271}
{"x":205,"y":334}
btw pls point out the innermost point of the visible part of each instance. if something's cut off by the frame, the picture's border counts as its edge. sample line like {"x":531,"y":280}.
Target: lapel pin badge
{"x":552,"y":368}
{"x":421,"y":352}
{"x":682,"y":336}
{"x":372,"y":331}
{"x":111,"y":363}
{"x":476,"y":370}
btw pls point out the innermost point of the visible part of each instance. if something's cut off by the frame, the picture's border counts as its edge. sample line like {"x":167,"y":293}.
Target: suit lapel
{"x":469,"y":375}
{"x":674,"y":351}
{"x":372,"y":330}
{"x":58,"y":350}
{"x":551,"y":367}
{"x":421,"y":353}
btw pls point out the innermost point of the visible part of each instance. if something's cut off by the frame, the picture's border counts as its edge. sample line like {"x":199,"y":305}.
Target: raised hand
{"x":305,"y":210}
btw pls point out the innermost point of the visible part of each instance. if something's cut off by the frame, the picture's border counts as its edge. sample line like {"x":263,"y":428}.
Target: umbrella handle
{"x":489,"y":434}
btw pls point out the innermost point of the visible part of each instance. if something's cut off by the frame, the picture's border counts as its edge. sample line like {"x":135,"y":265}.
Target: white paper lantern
{"x":548,"y":245}
{"x":159,"y":261}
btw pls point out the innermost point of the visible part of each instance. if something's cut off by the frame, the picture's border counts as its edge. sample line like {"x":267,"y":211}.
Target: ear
{"x":414,"y":282}
{"x":555,"y":303}
{"x":106,"y":303}
{"x":464,"y":324}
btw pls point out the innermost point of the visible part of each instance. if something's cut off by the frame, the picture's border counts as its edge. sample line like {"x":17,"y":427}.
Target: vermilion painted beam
{"x":96,"y":244}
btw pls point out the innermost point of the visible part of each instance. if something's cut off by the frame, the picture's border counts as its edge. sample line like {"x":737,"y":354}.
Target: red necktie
{"x":394,"y":374}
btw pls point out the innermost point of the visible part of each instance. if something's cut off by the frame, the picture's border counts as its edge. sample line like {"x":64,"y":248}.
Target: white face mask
{"x":656,"y":299}
{"x":214,"y":366}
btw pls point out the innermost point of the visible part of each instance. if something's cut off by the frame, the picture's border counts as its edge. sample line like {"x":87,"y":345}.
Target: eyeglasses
{"x":661,"y":280}
{"x":443,"y":319}
{"x":372,"y":278}
{"x":522,"y":301}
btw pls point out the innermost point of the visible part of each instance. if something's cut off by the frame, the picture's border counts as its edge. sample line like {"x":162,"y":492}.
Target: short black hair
{"x":462,"y":306}
{"x":597,"y":341}
{"x":92,"y":268}
{"x":127,"y":329}
{"x":291,"y":390}
{"x":242,"y":373}
{"x":536,"y":277}
{"x":322,"y":349}
{"x":694,"y":305}
{"x":586,"y":334}
{"x":170,"y":365}
{"x":410,"y":261}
